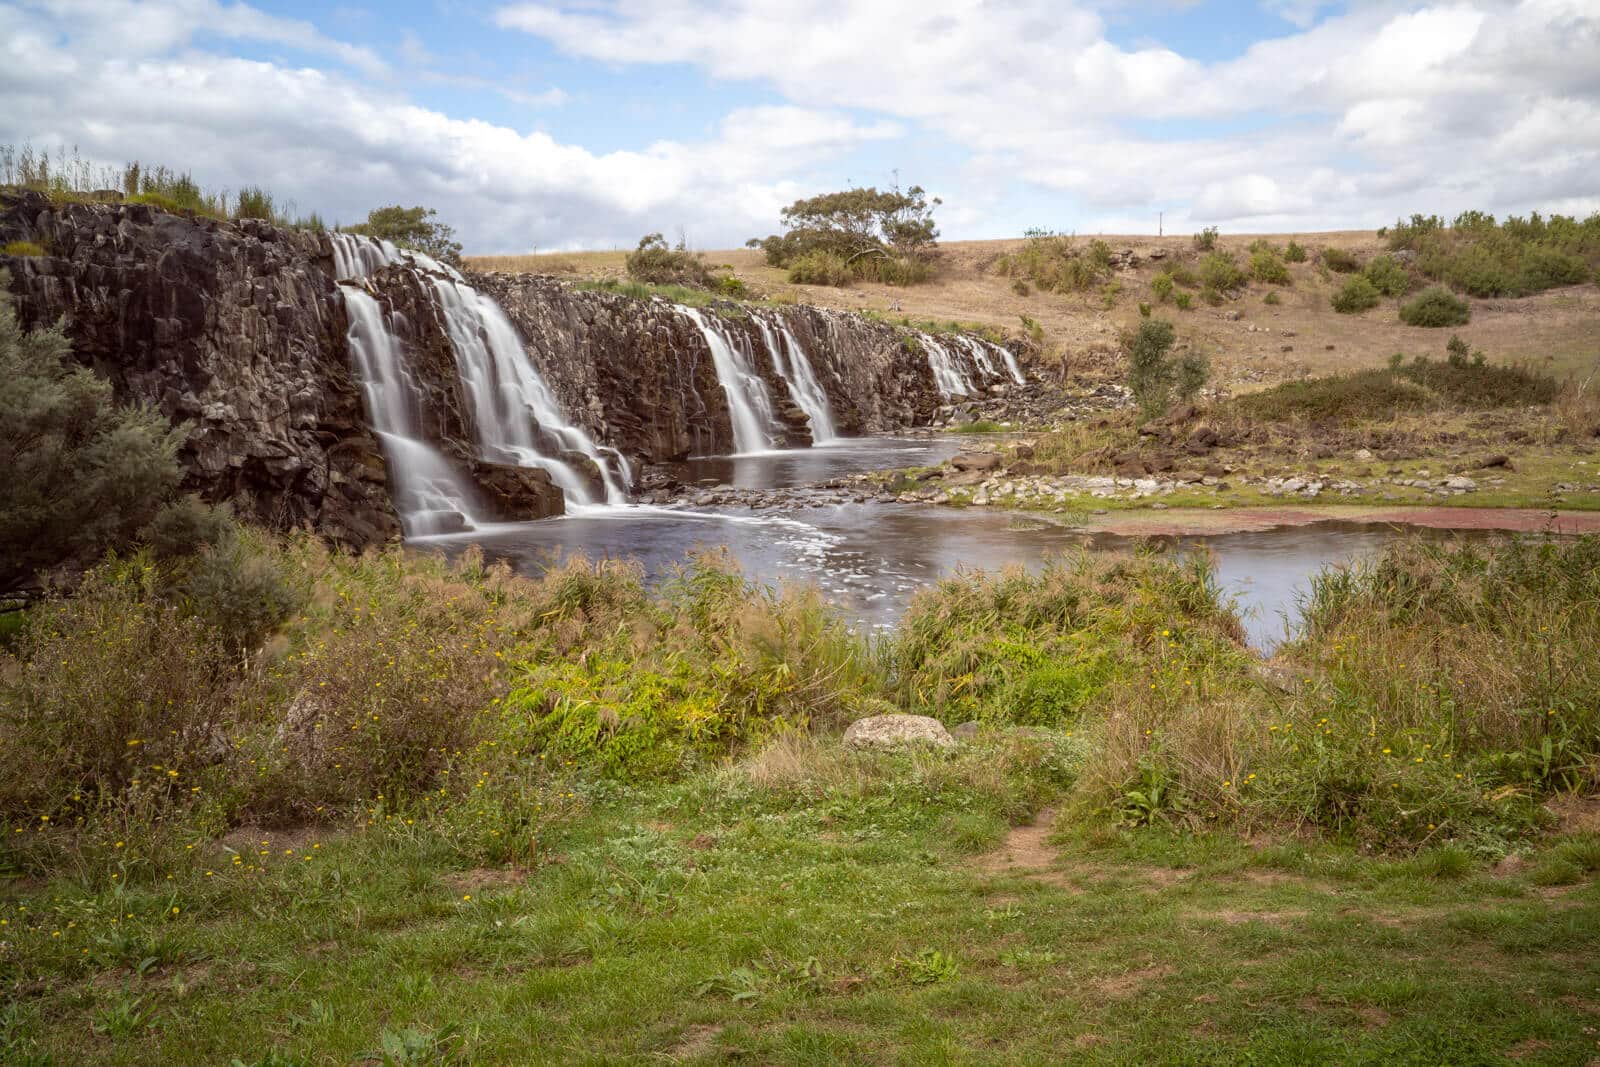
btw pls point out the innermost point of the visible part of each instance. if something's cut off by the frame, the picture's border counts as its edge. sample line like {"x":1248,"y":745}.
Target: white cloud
{"x":1391,"y":106}
{"x":342,"y":147}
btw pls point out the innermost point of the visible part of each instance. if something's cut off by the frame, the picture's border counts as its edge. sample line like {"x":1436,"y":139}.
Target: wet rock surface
{"x":232,"y":327}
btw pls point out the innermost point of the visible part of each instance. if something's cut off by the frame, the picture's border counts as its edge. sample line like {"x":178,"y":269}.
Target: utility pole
{"x":1161,"y":222}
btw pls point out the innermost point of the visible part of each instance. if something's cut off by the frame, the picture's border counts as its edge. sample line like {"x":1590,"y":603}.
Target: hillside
{"x":1249,"y":341}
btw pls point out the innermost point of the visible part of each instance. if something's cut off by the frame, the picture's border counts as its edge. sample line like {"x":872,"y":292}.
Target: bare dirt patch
{"x":1026,"y":852}
{"x":479,"y":879}
{"x":1237,"y":918}
{"x":696,"y":1041}
{"x":1578,"y":815}
{"x":1128,"y":983}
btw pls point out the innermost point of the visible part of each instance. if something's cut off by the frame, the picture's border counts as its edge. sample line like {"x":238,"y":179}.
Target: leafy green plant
{"x":1295,"y":252}
{"x":1206,"y":239}
{"x":410,"y":1047}
{"x":1355,"y":296}
{"x":654,"y":262}
{"x":1161,"y":285}
{"x":930,"y":967}
{"x":414,"y":228}
{"x":1184,"y":301}
{"x":1387,"y":276}
{"x":1267,"y":266}
{"x":1436,"y":307}
{"x":1220,"y":272}
{"x":1340,"y":261}
{"x":1272,"y":299}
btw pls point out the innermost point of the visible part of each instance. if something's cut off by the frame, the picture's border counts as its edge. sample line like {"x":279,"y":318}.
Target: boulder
{"x":976,"y":461}
{"x":897,"y":731}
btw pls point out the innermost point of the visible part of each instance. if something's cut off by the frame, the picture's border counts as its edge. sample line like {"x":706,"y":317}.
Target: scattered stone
{"x":897,"y":731}
{"x":977,"y":461}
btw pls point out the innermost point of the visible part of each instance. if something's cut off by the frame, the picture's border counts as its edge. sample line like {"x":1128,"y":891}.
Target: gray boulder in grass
{"x":897,"y":731}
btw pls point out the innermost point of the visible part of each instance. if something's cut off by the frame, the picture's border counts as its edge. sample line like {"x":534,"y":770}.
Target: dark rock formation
{"x":233,"y":328}
{"x":638,"y":374}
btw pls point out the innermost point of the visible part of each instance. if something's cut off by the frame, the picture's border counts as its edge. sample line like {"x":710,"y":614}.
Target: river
{"x":871,"y":557}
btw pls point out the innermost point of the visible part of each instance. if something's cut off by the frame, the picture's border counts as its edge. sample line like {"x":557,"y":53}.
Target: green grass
{"x":979,"y":426}
{"x":838,"y":920}
{"x":1418,"y":385}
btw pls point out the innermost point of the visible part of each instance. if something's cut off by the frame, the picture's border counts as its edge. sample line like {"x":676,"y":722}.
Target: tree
{"x":888,"y":235}
{"x":83,"y":473}
{"x":1153,"y":373}
{"x":658,"y":263}
{"x":413,"y":228}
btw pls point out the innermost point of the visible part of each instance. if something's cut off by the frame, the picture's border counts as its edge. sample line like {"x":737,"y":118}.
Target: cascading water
{"x":755,"y":428}
{"x":804,"y":388}
{"x":515,"y":415}
{"x":947,"y":373}
{"x":513,"y":411}
{"x":430,"y":494}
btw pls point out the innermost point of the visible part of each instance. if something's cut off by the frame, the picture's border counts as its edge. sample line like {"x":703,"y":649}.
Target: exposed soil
{"x":1178,"y":522}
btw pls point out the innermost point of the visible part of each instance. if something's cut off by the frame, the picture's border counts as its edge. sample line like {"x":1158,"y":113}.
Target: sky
{"x":551,"y":126}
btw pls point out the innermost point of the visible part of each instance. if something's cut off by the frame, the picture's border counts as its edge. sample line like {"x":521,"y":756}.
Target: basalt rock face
{"x":638,"y":374}
{"x":232,"y":327}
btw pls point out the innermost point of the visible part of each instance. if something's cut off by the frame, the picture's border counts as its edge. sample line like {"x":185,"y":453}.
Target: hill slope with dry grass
{"x":1250,"y":342}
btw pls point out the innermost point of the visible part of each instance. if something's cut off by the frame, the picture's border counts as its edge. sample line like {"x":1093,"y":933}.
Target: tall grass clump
{"x":1446,"y":689}
{"x":1041,"y":649}
{"x":1055,"y":263}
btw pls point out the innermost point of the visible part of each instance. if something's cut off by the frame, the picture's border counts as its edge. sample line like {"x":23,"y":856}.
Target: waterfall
{"x":431,"y":495}
{"x":515,"y":416}
{"x":514,"y":413}
{"x":795,"y":367}
{"x":749,"y":406}
{"x":947,"y":372}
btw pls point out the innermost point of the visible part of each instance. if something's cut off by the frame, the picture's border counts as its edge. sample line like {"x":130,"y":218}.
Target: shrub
{"x":117,"y":693}
{"x":1161,"y":286}
{"x":1266,"y":266}
{"x":414,"y":228}
{"x":654,"y":262}
{"x":1272,"y":298}
{"x":1206,"y":239}
{"x":1434,"y":307}
{"x":1387,"y":276}
{"x":1053,"y":263}
{"x":1220,"y":272}
{"x":82,"y":473}
{"x":1340,"y":261}
{"x":1194,"y":370}
{"x":1484,"y":258}
{"x":1295,"y":252}
{"x":1355,"y":296}
{"x":22,"y":249}
{"x":1184,"y":301}
{"x":819,"y":268}
{"x":1350,"y":398}
{"x":1020,"y":287}
{"x":1150,"y":370}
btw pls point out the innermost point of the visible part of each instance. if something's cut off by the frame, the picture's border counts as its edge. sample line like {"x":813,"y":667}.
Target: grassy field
{"x":819,"y":908}
{"x":446,"y":814}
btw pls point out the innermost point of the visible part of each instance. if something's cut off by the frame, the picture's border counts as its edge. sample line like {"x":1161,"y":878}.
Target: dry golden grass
{"x":1555,"y":331}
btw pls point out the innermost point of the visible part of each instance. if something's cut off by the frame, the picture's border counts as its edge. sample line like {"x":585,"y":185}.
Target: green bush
{"x":416,"y":228}
{"x":819,"y":268}
{"x":1206,"y":239}
{"x":1184,"y":301}
{"x":1388,"y":276}
{"x":1340,"y":261}
{"x":1295,"y":252}
{"x":1053,"y":263}
{"x":254,"y":202}
{"x":1272,"y":299}
{"x":886,"y":236}
{"x":1520,"y":256}
{"x":1153,"y":374}
{"x":1350,"y":398}
{"x":83,"y":474}
{"x":1266,"y":266}
{"x":654,"y":262}
{"x":1355,"y":296}
{"x":1220,"y":272}
{"x":1434,"y":307}
{"x":1161,"y":286}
